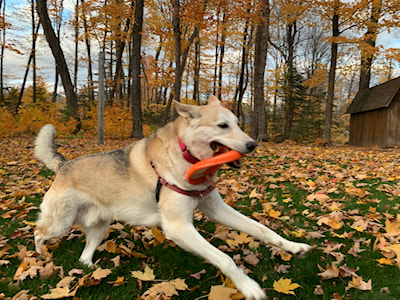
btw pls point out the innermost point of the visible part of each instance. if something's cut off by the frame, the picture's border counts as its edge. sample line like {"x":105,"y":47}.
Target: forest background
{"x":288,"y":69}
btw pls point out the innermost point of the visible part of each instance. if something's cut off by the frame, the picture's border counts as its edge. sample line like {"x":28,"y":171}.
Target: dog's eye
{"x":223,"y":125}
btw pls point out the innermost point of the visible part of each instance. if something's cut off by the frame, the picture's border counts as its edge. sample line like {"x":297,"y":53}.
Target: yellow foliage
{"x":32,"y":117}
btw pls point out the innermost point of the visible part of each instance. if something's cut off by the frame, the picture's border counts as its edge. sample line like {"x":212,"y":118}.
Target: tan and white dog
{"x":144,"y":184}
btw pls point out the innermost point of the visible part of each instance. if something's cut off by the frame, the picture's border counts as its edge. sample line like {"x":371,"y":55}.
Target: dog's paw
{"x":251,"y":290}
{"x":301,"y":249}
{"x":87,"y":262}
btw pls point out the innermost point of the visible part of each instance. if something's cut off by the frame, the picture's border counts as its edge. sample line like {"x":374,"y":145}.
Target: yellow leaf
{"x":385,"y":261}
{"x":158,"y":234}
{"x":285,"y":256}
{"x":274,"y":214}
{"x":100,"y":273}
{"x":254,"y":194}
{"x":179,"y":284}
{"x":57,"y":293}
{"x":118,"y":282}
{"x":285,"y":286}
{"x":220,"y":292}
{"x":30,"y":223}
{"x":147,"y":275}
{"x":239,"y":239}
{"x":21,"y":268}
{"x":310,"y":183}
{"x":394,"y":248}
{"x":392,"y":227}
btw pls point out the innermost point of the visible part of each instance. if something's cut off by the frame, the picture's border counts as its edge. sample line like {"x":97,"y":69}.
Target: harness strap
{"x":162,"y":182}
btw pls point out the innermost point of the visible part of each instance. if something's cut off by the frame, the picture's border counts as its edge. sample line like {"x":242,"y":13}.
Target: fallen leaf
{"x":329,"y":273}
{"x":220,"y":292}
{"x":358,"y":283}
{"x":159,"y":236}
{"x":318,"y":290}
{"x":167,"y":289}
{"x":119,"y":281}
{"x":285,"y":286}
{"x":254,"y":194}
{"x":147,"y":275}
{"x":57,"y":293}
{"x":282,"y":269}
{"x":100,"y":273}
{"x":198,"y":274}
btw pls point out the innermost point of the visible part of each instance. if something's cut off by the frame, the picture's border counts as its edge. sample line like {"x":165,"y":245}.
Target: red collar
{"x":186,"y":154}
{"x":161,"y":181}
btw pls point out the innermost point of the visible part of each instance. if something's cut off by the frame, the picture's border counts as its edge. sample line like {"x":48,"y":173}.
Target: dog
{"x":144,"y":184}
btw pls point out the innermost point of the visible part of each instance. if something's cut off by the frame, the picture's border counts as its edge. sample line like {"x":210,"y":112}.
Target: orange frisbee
{"x":199,"y":172}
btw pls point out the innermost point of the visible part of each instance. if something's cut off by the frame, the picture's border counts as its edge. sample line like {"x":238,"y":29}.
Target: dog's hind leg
{"x":57,"y":215}
{"x":218,"y":211}
{"x":94,"y":235}
{"x":95,"y":221}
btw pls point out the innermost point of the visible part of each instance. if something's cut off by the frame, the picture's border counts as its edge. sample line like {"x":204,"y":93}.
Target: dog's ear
{"x":187,"y":111}
{"x":212,"y":100}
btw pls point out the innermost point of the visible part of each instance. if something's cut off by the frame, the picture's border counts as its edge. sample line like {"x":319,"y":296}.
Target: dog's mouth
{"x":218,"y":148}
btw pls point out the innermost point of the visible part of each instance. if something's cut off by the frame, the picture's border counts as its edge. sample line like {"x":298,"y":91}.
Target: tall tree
{"x":58,"y":8}
{"x":58,"y":55}
{"x":332,"y":72}
{"x":259,"y":123}
{"x":89,"y":54}
{"x":368,"y":44}
{"x":136,"y":96}
{"x":3,"y":46}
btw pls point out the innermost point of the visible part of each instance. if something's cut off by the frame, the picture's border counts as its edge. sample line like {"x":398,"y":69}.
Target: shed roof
{"x":379,"y":96}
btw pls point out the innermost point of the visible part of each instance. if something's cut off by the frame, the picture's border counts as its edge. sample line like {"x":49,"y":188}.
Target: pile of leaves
{"x":342,"y":200}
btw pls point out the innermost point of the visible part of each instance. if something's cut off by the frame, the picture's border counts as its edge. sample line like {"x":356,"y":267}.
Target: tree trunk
{"x":33,"y":52}
{"x":176,"y":25}
{"x":56,"y":75}
{"x":76,"y":33}
{"x":58,"y":56}
{"x":196,"y":79}
{"x":290,"y":105}
{"x":136,"y":98}
{"x":240,"y":89}
{"x":89,"y":54}
{"x":221,"y":56}
{"x":3,"y":46}
{"x":259,"y":124}
{"x":332,"y":74}
{"x":26,"y":74}
{"x":368,"y":45}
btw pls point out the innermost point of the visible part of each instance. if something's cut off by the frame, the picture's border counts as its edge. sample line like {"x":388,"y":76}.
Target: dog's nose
{"x":251,"y":146}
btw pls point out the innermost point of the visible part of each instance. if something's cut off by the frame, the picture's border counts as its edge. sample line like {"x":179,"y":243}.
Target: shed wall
{"x":369,"y":128}
{"x":393,"y":138}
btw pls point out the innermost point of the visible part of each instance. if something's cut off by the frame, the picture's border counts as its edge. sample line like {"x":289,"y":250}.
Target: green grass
{"x":276,"y":176}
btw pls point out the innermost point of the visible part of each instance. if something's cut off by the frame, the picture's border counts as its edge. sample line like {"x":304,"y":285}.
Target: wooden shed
{"x":375,"y":116}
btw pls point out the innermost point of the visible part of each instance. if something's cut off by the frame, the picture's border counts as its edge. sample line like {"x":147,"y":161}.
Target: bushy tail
{"x":45,"y":148}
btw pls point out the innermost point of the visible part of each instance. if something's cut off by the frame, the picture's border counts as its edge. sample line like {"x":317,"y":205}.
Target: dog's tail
{"x":46,"y":150}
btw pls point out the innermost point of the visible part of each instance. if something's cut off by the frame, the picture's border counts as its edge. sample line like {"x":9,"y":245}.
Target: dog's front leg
{"x":177,"y":223}
{"x":218,"y":211}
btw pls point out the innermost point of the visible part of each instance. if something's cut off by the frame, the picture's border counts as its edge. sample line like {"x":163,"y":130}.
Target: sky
{"x":15,"y":64}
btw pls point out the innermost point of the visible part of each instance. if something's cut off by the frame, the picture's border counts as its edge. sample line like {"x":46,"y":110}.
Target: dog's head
{"x":212,"y":129}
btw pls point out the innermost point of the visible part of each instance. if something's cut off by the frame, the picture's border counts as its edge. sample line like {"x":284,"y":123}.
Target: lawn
{"x":343,"y":200}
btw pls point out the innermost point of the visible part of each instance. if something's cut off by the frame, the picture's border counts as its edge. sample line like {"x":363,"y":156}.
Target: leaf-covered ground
{"x":343,"y":200}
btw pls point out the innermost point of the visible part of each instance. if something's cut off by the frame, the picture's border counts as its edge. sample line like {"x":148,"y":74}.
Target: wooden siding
{"x":393,"y":137}
{"x":369,"y":128}
{"x":379,"y":127}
